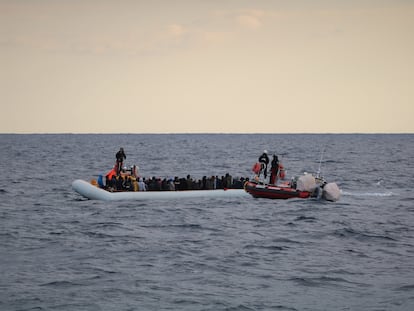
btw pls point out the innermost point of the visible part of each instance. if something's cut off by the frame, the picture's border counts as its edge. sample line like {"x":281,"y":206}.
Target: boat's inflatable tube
{"x":94,"y":193}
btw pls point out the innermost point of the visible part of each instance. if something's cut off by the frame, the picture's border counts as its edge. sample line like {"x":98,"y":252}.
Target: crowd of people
{"x":123,"y":179}
{"x":128,"y":182}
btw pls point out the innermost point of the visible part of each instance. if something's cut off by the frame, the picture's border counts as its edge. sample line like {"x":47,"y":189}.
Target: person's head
{"x":265,"y":151}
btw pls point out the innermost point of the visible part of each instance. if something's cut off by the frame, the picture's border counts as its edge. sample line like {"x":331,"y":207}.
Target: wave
{"x":369,"y":194}
{"x":322,"y":281}
{"x":61,"y":284}
{"x":361,"y":235}
{"x":406,"y":288}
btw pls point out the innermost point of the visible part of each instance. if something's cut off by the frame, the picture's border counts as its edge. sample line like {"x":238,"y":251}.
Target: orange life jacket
{"x":256,"y":168}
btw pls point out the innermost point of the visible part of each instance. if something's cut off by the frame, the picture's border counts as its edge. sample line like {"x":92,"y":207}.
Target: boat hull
{"x":92,"y":192}
{"x":266,"y":191}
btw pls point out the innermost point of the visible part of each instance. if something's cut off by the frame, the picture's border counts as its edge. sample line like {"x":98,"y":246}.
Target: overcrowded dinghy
{"x":121,"y":183}
{"x":94,"y":192}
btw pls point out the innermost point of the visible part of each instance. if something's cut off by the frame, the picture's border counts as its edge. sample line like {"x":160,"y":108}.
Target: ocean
{"x":59,"y":251}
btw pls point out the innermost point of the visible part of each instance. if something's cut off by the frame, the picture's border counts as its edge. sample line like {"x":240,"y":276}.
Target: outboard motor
{"x":331,"y":192}
{"x":306,"y":182}
{"x":317,"y":193}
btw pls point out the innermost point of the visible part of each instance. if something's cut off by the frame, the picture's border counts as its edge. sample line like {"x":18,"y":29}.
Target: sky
{"x":207,"y":66}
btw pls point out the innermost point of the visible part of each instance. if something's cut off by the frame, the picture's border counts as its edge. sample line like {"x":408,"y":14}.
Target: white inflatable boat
{"x":93,"y":192}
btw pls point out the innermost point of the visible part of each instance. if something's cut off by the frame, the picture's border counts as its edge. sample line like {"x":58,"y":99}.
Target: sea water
{"x":59,"y":251}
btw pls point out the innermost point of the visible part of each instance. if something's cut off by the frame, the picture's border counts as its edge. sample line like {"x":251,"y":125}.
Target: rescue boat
{"x":267,"y":191}
{"x":304,"y":187}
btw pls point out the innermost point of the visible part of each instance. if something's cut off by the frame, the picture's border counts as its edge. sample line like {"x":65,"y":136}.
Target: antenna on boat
{"x":318,"y":173}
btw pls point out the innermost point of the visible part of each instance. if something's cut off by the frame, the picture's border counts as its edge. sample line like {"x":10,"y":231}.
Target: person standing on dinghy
{"x":264,"y":160}
{"x":274,"y":170}
{"x":120,"y":157}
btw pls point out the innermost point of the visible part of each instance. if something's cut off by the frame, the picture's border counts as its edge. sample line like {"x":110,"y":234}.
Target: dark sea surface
{"x":59,"y":251}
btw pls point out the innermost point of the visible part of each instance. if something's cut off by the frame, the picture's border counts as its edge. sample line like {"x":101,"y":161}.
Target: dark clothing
{"x":274,"y":170}
{"x":120,"y":156}
{"x":264,"y":159}
{"x":119,"y":183}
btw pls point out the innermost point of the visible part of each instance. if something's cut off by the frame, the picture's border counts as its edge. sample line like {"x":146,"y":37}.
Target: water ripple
{"x":62,"y":252}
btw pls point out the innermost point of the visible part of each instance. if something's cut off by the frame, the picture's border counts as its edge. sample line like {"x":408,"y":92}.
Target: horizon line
{"x":205,"y":133}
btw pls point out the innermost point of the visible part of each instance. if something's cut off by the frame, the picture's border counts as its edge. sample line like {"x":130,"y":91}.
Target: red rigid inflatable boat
{"x":260,"y":190}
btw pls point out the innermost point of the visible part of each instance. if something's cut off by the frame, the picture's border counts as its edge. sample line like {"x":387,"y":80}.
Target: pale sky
{"x":211,"y":66}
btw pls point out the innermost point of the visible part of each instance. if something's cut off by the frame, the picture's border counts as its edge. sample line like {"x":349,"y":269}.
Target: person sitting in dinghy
{"x":141,"y":185}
